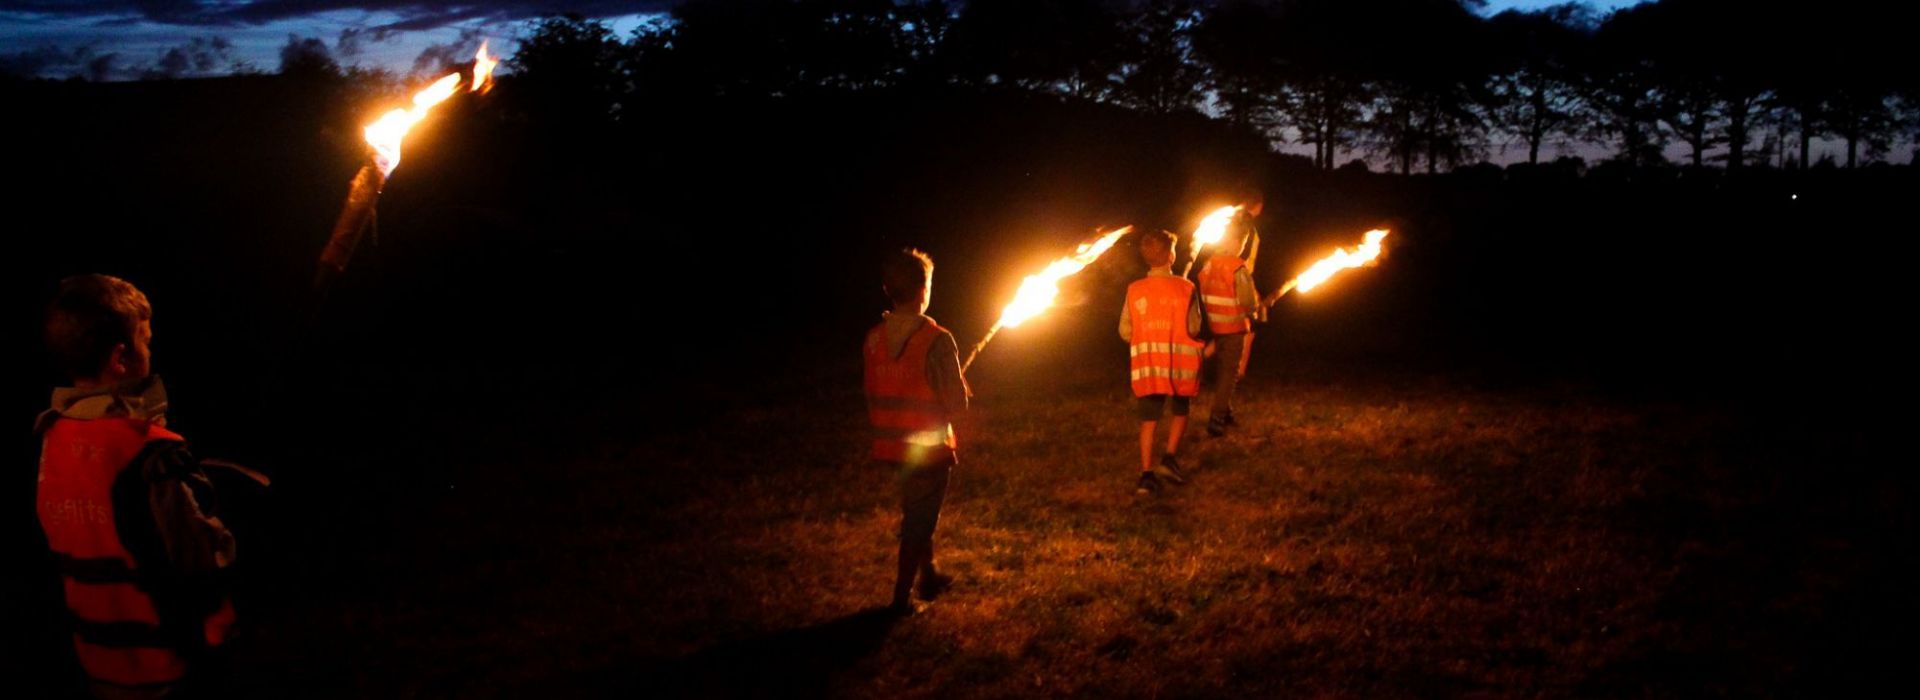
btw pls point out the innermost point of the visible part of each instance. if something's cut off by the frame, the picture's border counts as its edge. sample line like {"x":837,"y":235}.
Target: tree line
{"x":1423,"y":85}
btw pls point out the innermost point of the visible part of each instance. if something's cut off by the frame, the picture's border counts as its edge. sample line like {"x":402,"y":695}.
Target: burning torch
{"x":384,"y":137}
{"x":1209,"y":232}
{"x":1367,"y":253}
{"x":1037,"y":291}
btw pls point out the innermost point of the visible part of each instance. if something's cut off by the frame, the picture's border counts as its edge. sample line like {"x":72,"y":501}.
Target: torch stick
{"x":1271,"y":299}
{"x":384,"y":136}
{"x":977,"y":347}
{"x":356,"y":216}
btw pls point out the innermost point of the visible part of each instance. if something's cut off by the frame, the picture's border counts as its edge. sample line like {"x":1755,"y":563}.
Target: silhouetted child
{"x":127,"y":510}
{"x":1158,"y":323}
{"x":1232,"y":304}
{"x":914,"y":391}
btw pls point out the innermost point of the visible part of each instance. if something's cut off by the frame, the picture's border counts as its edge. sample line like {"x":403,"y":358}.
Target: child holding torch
{"x":1232,"y":303}
{"x":1158,"y":323}
{"x":914,"y":389}
{"x":127,"y":510}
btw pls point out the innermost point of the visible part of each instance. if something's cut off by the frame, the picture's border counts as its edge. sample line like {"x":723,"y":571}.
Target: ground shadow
{"x":800,"y":662}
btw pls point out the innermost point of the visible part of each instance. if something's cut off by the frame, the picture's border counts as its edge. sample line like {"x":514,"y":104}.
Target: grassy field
{"x":1408,"y":537}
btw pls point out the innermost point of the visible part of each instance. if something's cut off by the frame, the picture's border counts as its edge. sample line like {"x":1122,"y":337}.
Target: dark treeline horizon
{"x":1414,"y":85}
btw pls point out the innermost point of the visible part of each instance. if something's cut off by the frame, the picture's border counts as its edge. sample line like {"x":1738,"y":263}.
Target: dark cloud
{"x":353,"y":40}
{"x":200,"y":56}
{"x":413,"y":14}
{"x":196,"y":57}
{"x":438,"y":58}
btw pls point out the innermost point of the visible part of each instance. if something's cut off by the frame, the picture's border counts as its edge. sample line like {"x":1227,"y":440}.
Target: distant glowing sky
{"x":124,"y":39}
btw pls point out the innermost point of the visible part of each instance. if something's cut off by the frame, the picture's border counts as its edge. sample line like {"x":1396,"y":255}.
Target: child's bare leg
{"x":1146,"y":444}
{"x":912,"y":557}
{"x":1175,"y":428}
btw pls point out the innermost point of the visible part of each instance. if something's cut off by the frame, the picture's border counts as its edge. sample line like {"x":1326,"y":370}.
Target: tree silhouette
{"x":307,"y":58}
{"x":1865,"y":65}
{"x":1910,"y":101}
{"x":1428,"y":64}
{"x":1410,"y":81}
{"x":1801,"y":93}
{"x":1071,"y":47}
{"x":1623,"y":86}
{"x":1239,"y":42}
{"x":772,"y":47}
{"x":1536,"y":92}
{"x":1161,"y":74}
{"x":1690,"y":108}
{"x":570,"y":68}
{"x":922,"y":37}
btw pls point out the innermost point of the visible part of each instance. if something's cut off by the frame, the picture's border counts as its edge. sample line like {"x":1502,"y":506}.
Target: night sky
{"x":130,"y":39}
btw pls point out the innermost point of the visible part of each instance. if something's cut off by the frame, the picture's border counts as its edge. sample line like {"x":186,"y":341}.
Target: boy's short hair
{"x":1250,"y":195}
{"x":1156,"y":248}
{"x":904,"y":273}
{"x":88,"y":317}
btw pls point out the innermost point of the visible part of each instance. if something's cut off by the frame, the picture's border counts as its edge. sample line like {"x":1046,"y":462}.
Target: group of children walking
{"x":131,"y":518}
{"x":915,"y":388}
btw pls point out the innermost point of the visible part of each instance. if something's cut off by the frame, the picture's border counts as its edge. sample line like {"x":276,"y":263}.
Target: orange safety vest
{"x":1218,"y":298}
{"x":910,"y":423}
{"x":1165,"y":359}
{"x":117,"y":629}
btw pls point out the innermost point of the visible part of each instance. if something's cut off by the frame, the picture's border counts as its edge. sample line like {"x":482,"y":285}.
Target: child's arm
{"x":943,"y":372}
{"x":164,"y":506}
{"x":1245,"y":293}
{"x":1194,"y":318}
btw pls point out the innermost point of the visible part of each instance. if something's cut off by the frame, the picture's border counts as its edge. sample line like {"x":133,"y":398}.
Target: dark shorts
{"x":923,"y":489}
{"x":1150,"y":406}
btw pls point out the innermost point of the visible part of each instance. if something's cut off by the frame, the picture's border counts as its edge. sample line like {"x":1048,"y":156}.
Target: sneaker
{"x":905,"y":609}
{"x":1228,"y":420}
{"x":1217,"y":426}
{"x":932,"y":585}
{"x":1147,"y":484}
{"x":1169,"y":469}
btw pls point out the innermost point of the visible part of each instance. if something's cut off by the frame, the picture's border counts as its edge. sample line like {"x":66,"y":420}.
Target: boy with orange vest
{"x":1158,"y":323}
{"x":914,"y":391}
{"x":1232,"y":304}
{"x":127,"y":511}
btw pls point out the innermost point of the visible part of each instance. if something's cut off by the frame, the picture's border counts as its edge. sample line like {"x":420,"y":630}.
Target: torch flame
{"x":1341,"y":259}
{"x":385,"y":135}
{"x":483,"y":64}
{"x":1212,"y":228}
{"x":1038,"y":290}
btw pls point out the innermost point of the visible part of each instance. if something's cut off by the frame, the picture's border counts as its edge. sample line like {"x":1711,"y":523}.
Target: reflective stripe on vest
{"x":910,"y":425}
{"x":118,"y":635}
{"x":1219,"y":297}
{"x":1165,"y":359}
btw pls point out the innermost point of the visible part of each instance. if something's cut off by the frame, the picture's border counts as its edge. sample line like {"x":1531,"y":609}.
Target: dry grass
{"x":1381,"y":540}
